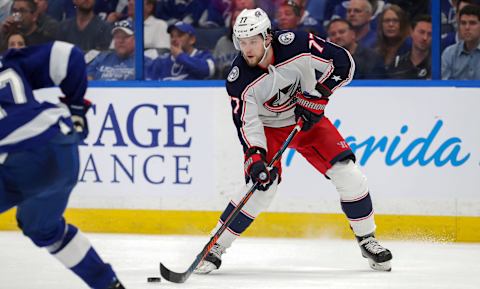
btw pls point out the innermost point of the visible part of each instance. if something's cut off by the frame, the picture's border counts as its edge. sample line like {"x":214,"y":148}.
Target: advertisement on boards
{"x":176,"y":148}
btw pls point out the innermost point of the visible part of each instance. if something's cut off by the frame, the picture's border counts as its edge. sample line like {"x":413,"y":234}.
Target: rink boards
{"x":167,"y":160}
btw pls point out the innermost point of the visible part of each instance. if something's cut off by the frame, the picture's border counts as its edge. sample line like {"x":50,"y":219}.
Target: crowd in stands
{"x":192,"y":39}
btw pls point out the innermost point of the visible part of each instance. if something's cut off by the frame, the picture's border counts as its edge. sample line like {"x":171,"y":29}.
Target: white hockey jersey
{"x":302,"y":61}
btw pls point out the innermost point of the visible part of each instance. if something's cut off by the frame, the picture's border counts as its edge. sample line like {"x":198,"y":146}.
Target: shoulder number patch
{"x":233,"y":75}
{"x":286,"y":38}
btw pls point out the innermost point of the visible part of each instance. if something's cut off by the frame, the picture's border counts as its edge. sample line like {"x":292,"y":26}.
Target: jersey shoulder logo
{"x":233,"y":75}
{"x":286,"y":38}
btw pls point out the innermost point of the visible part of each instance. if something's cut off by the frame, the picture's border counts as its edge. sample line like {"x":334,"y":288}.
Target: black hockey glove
{"x":310,"y":108}
{"x":256,"y":168}
{"x":79,"y":119}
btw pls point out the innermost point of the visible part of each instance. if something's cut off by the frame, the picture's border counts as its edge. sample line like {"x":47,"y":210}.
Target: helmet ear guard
{"x":250,"y":22}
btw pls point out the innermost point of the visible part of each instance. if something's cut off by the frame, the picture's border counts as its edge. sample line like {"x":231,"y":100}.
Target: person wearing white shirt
{"x":155,"y":30}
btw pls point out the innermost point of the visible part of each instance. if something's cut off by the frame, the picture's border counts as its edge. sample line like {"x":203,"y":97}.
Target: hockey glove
{"x":78,"y":117}
{"x":256,"y":168}
{"x":310,"y":108}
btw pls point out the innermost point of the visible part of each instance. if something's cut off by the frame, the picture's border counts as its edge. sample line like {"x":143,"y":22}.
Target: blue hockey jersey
{"x":198,"y":65}
{"x":26,"y":122}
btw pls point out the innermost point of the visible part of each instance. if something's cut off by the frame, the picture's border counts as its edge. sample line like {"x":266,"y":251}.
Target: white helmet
{"x":250,"y":22}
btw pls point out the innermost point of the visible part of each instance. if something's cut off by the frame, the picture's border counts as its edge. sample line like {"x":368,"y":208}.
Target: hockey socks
{"x":75,"y":251}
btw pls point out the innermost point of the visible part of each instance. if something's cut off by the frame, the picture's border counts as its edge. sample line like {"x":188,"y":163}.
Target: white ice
{"x":251,"y":263}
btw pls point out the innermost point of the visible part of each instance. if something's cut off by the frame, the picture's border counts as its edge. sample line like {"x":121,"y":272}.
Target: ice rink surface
{"x":250,"y":263}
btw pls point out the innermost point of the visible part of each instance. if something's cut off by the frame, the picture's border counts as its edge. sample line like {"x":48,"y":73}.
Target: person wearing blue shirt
{"x":183,"y":61}
{"x":118,"y":64}
{"x":39,"y":158}
{"x":462,"y":60}
{"x":359,"y":13}
{"x":187,"y":10}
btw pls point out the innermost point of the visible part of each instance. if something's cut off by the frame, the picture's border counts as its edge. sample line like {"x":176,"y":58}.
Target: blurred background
{"x":391,"y":39}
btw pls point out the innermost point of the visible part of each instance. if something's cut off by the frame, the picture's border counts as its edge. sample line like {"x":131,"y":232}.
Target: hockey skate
{"x":116,"y":285}
{"x":212,"y":261}
{"x":378,"y":256}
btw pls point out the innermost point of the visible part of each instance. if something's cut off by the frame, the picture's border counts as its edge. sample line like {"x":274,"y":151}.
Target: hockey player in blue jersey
{"x":39,"y":159}
{"x":277,"y":79}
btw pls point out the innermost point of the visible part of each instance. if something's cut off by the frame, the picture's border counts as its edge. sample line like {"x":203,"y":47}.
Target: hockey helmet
{"x":250,"y":22}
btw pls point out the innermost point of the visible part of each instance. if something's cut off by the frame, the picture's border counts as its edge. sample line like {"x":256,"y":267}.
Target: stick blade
{"x":173,"y":276}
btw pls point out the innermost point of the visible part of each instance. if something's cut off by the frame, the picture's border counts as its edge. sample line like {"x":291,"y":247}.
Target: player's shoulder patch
{"x":286,"y":38}
{"x":234,"y":74}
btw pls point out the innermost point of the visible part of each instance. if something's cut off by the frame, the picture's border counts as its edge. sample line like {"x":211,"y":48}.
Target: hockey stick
{"x":182,"y":277}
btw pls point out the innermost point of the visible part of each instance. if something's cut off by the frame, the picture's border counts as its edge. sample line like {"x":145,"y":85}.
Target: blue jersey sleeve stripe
{"x":39,"y":124}
{"x":59,"y":57}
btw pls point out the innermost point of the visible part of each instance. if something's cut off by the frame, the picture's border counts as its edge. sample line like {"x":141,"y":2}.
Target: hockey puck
{"x":154,"y":279}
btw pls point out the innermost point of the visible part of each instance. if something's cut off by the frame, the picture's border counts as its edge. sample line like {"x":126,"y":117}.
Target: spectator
{"x":359,"y":13}
{"x":294,"y":17}
{"x":218,"y":12}
{"x":155,"y":30}
{"x":86,"y":29}
{"x":288,"y":16}
{"x":225,"y":52}
{"x":173,"y":11}
{"x":462,"y":60}
{"x":47,"y":24}
{"x":317,"y":9}
{"x":117,"y":64}
{"x":393,"y":31}
{"x":368,"y":64}
{"x":417,"y":63}
{"x":16,"y":40}
{"x":23,"y":19}
{"x":184,"y":61}
{"x":452,"y":36}
{"x":338,"y":9}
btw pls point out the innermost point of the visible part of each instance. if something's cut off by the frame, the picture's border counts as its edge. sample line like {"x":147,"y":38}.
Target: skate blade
{"x":204,"y":268}
{"x":385,"y":266}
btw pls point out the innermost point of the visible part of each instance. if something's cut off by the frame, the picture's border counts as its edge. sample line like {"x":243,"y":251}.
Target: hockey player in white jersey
{"x":276,"y":79}
{"x":39,"y":159}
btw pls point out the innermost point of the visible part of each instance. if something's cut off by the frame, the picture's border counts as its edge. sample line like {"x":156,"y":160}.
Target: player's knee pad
{"x":355,"y":198}
{"x":43,"y":237}
{"x":349,"y":181}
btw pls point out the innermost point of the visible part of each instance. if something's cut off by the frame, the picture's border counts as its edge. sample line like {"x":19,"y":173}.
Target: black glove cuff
{"x":324,"y":91}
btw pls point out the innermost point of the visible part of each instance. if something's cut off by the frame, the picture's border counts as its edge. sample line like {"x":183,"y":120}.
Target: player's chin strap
{"x":266,"y":49}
